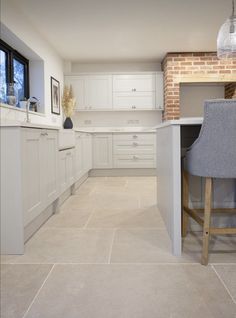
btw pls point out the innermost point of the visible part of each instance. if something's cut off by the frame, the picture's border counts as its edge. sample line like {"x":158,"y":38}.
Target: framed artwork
{"x":55,"y":96}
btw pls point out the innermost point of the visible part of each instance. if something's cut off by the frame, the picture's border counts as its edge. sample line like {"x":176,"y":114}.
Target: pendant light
{"x":226,"y":40}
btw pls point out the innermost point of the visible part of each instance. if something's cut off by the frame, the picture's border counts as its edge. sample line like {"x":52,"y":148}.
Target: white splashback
{"x":117,"y":119}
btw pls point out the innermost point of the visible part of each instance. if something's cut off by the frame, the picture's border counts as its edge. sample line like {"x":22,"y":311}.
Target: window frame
{"x":12,"y":54}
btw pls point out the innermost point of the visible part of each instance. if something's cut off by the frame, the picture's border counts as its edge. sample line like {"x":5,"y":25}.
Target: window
{"x":14,"y":68}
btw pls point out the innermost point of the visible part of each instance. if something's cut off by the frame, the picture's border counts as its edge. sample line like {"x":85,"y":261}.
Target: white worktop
{"x":181,"y":121}
{"x":16,"y":123}
{"x":114,"y":129}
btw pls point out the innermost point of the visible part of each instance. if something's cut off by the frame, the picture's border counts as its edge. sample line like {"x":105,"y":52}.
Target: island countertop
{"x":182,"y":121}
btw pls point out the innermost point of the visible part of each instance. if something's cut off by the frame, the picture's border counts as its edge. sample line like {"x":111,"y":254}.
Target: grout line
{"x":89,"y":218}
{"x":27,"y":311}
{"x":223,"y":283}
{"x":111,"y":247}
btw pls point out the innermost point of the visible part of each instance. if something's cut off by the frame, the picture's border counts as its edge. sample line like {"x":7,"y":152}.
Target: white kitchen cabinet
{"x":50,"y":165}
{"x":67,"y":168}
{"x":98,"y":92}
{"x":29,"y":182}
{"x":102,"y":151}
{"x":78,"y":86}
{"x":78,"y":156}
{"x":32,"y":174}
{"x":87,"y":152}
{"x":134,"y":150}
{"x":159,"y":91}
{"x":92,"y":92}
{"x":134,"y":101}
{"x":39,"y":170}
{"x":134,"y":83}
{"x":134,"y":92}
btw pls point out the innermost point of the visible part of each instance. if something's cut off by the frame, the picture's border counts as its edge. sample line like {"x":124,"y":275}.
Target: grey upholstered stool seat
{"x":212,"y":155}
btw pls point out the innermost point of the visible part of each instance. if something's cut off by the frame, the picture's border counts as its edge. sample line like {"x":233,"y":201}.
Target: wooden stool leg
{"x":185,"y":216}
{"x":207,"y":220}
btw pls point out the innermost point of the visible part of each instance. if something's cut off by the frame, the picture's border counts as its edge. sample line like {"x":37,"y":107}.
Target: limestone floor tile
{"x":70,"y":218}
{"x":222,"y":249}
{"x":116,"y":200}
{"x":127,"y":291}
{"x":144,"y":246}
{"x":63,"y":245}
{"x":19,"y":285}
{"x":78,"y":202}
{"x":123,"y":218}
{"x":228,"y":275}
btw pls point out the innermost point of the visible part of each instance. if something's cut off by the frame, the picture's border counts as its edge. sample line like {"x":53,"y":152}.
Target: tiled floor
{"x":107,"y":255}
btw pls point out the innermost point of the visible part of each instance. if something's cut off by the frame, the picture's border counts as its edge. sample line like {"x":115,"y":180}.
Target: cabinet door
{"x":102,"y":151}
{"x":78,"y":86}
{"x":31,"y":174}
{"x":87,"y":152}
{"x":70,"y":166}
{"x":134,"y":83}
{"x":98,"y":92}
{"x":49,"y":144}
{"x":78,"y":156}
{"x":134,"y":101}
{"x":159,"y":91}
{"x":62,"y":168}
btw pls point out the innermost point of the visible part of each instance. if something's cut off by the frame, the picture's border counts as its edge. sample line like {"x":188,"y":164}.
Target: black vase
{"x":68,"y":123}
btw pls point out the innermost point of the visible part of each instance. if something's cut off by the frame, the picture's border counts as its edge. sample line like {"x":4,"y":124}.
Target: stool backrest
{"x":213,"y":154}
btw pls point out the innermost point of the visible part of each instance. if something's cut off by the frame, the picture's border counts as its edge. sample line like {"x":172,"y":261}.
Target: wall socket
{"x":88,"y":122}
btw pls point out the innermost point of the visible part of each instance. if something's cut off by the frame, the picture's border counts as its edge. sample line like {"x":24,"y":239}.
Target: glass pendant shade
{"x":226,"y":40}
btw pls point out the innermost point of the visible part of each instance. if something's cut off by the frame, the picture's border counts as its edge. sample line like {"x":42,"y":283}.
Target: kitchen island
{"x":173,"y":137}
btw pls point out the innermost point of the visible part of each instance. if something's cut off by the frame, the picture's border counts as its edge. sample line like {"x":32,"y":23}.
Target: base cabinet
{"x":102,"y":151}
{"x":134,"y":150}
{"x":67,"y":168}
{"x":29,"y":181}
{"x":39,"y":171}
{"x":87,"y":152}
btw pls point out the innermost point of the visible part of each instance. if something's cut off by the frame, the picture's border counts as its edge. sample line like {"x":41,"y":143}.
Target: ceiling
{"x":126,"y":30}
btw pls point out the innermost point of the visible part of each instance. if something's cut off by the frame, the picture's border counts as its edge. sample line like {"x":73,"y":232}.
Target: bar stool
{"x":212,"y":155}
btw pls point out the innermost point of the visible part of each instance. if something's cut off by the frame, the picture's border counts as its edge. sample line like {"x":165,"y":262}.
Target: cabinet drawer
{"x":133,"y":147}
{"x":134,"y":161}
{"x":134,"y":101}
{"x":149,"y":137}
{"x":134,"y":83}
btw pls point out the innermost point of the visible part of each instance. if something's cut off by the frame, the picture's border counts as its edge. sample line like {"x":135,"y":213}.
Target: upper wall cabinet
{"x":78,"y":85}
{"x":133,"y":92}
{"x":134,"y":83}
{"x":159,"y":91}
{"x":93,"y":92}
{"x":142,"y":91}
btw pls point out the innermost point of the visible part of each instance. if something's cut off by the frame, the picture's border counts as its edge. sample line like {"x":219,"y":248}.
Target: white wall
{"x":19,"y":31}
{"x":192,"y":97}
{"x":111,"y":67}
{"x":117,"y":119}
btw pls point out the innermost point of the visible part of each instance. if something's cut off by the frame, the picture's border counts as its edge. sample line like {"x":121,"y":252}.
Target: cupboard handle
{"x":44,"y":134}
{"x":133,"y":107}
{"x":135,"y":144}
{"x":133,"y":89}
{"x":135,"y":136}
{"x":135,"y":158}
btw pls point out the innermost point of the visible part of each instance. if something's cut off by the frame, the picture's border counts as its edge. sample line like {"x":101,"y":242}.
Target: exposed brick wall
{"x":230,"y":90}
{"x":192,"y":67}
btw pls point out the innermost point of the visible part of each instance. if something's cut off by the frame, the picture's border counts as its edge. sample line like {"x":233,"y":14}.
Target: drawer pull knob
{"x":133,"y":107}
{"x":133,"y":89}
{"x":135,"y":136}
{"x":135,"y":158}
{"x":135,"y":144}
